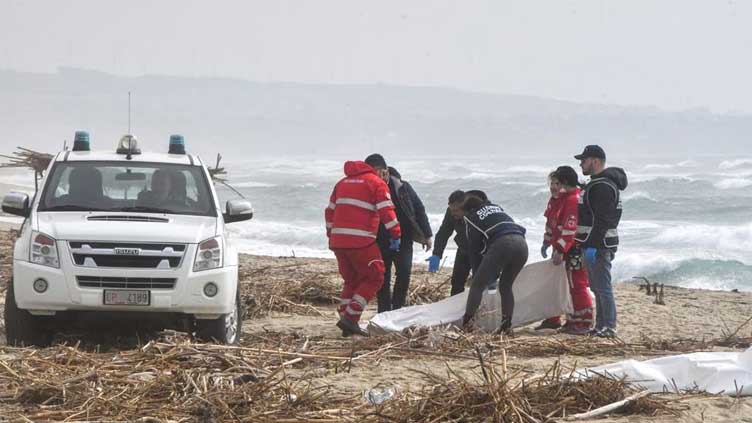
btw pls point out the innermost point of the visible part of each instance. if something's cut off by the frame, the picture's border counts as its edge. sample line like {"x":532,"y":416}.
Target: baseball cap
{"x":592,"y":151}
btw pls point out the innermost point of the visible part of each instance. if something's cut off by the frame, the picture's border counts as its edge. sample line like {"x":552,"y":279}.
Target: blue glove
{"x":544,"y":249}
{"x":589,"y":254}
{"x":394,"y":244}
{"x":433,"y":263}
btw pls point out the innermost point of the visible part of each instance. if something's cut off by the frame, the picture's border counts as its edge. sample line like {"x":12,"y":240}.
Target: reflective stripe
{"x":383,"y":204}
{"x":353,"y":232}
{"x":612,"y":233}
{"x":567,"y":232}
{"x":332,"y":206}
{"x":374,"y":261}
{"x":350,"y":310}
{"x":562,"y":243}
{"x":584,"y":229}
{"x":391,"y":224}
{"x":360,"y":300}
{"x":356,"y":203}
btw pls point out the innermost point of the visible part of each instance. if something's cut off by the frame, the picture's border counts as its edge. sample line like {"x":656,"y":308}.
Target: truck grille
{"x":127,"y":255}
{"x":129,"y":283}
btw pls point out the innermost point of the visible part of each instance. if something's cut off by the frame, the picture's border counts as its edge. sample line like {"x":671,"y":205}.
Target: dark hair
{"x":567,"y":176}
{"x":477,"y":193}
{"x":376,"y":161}
{"x":473,"y":203}
{"x":457,"y":197}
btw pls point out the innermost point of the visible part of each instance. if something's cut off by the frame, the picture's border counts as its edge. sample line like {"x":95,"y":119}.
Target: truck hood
{"x":130,"y":227}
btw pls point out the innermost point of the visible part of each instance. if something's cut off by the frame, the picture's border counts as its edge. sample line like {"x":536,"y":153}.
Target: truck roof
{"x":107,"y":156}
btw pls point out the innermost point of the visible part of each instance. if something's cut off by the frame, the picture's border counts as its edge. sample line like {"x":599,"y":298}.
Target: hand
{"x":544,"y":249}
{"x":394,"y":244}
{"x":558,"y":257}
{"x":433,"y":264}
{"x":428,"y":244}
{"x":589,"y":254}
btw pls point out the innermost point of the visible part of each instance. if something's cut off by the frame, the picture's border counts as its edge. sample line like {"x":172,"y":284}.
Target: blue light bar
{"x":81,"y":141}
{"x":177,"y":144}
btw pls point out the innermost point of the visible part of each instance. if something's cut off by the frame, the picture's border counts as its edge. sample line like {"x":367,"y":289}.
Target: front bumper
{"x":64,"y":293}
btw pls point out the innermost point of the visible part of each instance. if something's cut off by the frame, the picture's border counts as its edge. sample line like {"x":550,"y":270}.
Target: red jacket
{"x":561,"y":220}
{"x":358,"y":203}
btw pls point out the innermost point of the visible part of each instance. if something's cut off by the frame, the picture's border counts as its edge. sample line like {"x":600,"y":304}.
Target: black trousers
{"x":392,"y":299}
{"x":506,"y":255}
{"x":460,"y":271}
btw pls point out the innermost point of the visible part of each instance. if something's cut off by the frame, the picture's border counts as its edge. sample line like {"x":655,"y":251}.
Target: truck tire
{"x":225,"y":330}
{"x":21,"y":327}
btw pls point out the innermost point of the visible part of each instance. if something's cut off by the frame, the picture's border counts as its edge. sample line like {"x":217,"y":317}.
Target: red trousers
{"x":363,"y":272}
{"x":581,"y":300}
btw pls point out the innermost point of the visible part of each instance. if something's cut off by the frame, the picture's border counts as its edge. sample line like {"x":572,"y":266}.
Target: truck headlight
{"x":44,"y":250}
{"x":208,"y":255}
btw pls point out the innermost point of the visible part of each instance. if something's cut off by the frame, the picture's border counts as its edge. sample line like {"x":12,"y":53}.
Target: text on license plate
{"x":126,"y":297}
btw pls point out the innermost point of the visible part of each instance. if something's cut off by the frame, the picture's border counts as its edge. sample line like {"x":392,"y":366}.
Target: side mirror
{"x":238,"y":211}
{"x":17,"y":203}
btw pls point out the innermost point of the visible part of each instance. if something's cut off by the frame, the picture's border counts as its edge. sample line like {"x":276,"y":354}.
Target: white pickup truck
{"x":120,"y":235}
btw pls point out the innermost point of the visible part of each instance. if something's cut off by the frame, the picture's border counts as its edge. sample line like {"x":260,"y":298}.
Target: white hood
{"x":76,"y":226}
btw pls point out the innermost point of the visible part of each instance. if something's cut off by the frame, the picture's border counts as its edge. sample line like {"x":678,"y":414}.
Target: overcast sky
{"x":673,"y":54}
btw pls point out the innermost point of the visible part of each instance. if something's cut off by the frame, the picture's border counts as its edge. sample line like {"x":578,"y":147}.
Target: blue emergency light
{"x":177,"y":144}
{"x":81,"y":141}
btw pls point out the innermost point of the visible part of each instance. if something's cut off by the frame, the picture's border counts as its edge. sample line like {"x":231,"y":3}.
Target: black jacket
{"x":411,"y":213}
{"x":484,"y":226}
{"x":599,"y":211}
{"x":448,"y":226}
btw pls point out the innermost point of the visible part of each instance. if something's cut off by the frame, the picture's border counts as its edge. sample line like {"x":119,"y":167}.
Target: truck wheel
{"x":21,"y":327}
{"x":225,"y":330}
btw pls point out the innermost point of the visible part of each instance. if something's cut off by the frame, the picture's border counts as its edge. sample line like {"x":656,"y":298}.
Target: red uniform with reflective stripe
{"x":561,"y":220}
{"x":358,"y":203}
{"x":561,"y":226}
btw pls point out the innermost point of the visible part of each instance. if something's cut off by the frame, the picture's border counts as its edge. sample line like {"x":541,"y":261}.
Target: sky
{"x":674,"y":54}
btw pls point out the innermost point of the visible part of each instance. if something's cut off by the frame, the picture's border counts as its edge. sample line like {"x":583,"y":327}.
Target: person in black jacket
{"x":496,"y":244}
{"x":599,"y":213}
{"x":411,"y":214}
{"x":454,"y":222}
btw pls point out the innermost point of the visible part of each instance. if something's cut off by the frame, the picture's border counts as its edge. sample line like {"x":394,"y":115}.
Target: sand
{"x":688,"y":313}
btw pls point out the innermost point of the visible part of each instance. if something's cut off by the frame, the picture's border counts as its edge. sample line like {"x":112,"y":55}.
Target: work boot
{"x":350,"y":328}
{"x":606,"y":333}
{"x":576,"y":329}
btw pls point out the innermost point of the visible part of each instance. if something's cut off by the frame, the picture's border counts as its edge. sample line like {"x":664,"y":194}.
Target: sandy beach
{"x":291,"y":299}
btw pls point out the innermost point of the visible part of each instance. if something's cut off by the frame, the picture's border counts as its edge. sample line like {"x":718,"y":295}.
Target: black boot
{"x":350,"y":328}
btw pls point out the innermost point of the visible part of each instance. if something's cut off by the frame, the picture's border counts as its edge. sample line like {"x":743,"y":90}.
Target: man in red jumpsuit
{"x":358,"y":203}
{"x":561,"y":225}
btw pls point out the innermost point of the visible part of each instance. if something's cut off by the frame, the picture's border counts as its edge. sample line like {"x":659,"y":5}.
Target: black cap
{"x":376,"y":161}
{"x":592,"y":151}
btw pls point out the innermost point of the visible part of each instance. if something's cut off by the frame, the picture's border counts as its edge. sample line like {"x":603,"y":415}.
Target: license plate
{"x":127,"y":297}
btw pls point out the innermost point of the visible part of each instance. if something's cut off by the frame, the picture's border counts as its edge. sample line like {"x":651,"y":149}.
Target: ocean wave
{"x":735,"y":164}
{"x":638,"y":195}
{"x":253,"y":184}
{"x":707,"y":241}
{"x":733,"y":183}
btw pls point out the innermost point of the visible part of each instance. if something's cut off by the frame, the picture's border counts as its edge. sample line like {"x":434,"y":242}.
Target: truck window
{"x":135,"y":187}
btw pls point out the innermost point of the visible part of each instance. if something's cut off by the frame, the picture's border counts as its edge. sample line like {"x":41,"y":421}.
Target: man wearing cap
{"x":599,"y":213}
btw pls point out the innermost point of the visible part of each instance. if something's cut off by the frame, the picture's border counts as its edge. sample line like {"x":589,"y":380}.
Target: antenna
{"x":129,"y":113}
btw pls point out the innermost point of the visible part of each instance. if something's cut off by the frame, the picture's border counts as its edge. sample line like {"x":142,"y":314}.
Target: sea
{"x":687,"y":220}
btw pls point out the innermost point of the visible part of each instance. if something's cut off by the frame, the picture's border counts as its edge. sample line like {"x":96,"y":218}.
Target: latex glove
{"x":589,"y":254}
{"x":433,"y":263}
{"x":394,"y":244}
{"x":544,"y":249}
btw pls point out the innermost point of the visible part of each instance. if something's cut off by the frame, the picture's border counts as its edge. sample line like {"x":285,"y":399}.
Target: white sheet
{"x":713,"y":372}
{"x":541,"y":290}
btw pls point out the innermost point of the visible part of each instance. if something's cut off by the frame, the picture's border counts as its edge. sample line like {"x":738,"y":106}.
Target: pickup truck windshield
{"x":134,"y":188}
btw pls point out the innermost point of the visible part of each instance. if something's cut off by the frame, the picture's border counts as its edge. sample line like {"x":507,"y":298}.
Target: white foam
{"x":733,"y":183}
{"x":733,"y":164}
{"x":637,"y":195}
{"x":253,"y":184}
